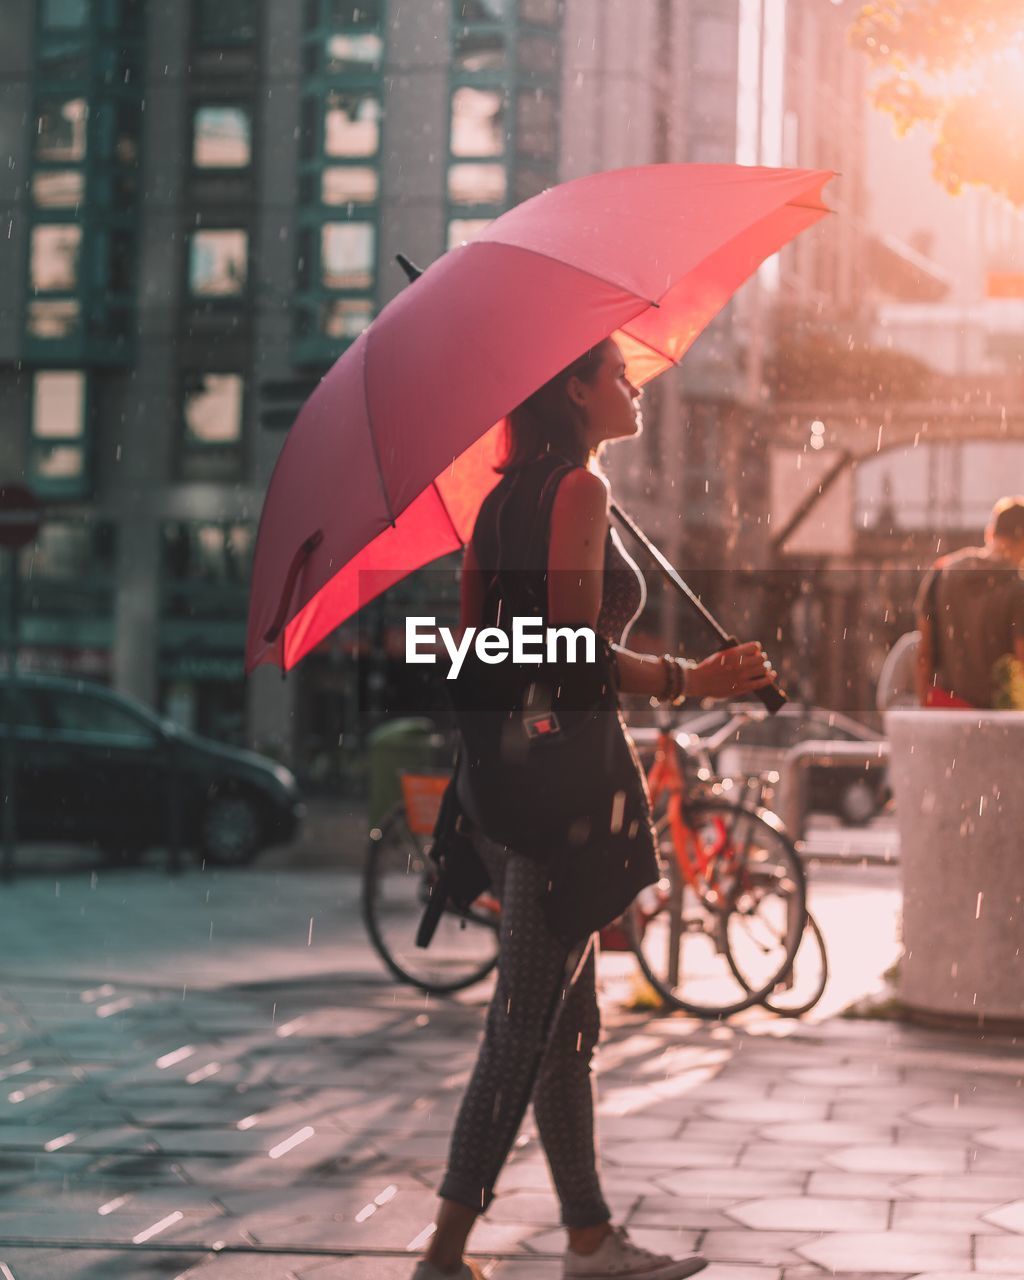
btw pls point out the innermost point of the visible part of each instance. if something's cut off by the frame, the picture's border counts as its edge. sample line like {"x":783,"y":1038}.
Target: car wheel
{"x":231,"y":831}
{"x":858,"y":803}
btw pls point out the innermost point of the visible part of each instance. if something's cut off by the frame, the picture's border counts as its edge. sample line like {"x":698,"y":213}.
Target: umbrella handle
{"x":772,"y":695}
{"x":298,"y":560}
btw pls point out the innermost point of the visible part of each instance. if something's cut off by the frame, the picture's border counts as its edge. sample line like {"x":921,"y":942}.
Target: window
{"x":61,"y":130}
{"x":349,"y":184}
{"x":54,"y":319}
{"x":218,"y":263}
{"x":477,"y":184}
{"x":482,"y":10}
{"x":351,"y":124}
{"x":347,"y":252}
{"x":464,"y":229}
{"x":91,"y":713}
{"x":58,"y":188}
{"x":476,"y":50}
{"x":213,"y":410}
{"x":540,"y":13}
{"x":57,"y":453}
{"x":353,"y":51}
{"x":477,"y":123}
{"x":54,"y":258}
{"x":225,"y":22}
{"x":62,"y":15}
{"x":221,"y":138}
{"x":211,"y":553}
{"x":339,"y":180}
{"x":58,"y":406}
{"x":346,"y":318}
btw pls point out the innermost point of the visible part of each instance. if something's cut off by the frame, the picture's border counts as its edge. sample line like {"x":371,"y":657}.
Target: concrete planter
{"x":958,"y":779}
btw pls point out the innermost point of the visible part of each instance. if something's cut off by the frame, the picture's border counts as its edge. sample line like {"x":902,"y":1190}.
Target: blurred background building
{"x":202,"y":203}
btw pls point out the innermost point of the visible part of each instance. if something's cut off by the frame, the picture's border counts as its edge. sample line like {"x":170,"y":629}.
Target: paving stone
{"x":890,"y":1160}
{"x":742,"y":1184}
{"x":1008,"y":1216}
{"x":999,"y":1255}
{"x":827,"y":1134}
{"x":975,"y":1186}
{"x":773,"y":1248}
{"x":810,"y":1213}
{"x":889,"y":1251}
{"x":973,"y":1217}
{"x":95,"y":1264}
{"x":969,"y":1116}
{"x":1002,"y":1139}
{"x":670,"y":1155}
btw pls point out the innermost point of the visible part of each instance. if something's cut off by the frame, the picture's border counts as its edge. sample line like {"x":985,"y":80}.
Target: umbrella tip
{"x":412,"y":271}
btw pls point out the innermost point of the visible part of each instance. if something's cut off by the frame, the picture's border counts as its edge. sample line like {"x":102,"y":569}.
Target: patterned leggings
{"x":542,"y":1009}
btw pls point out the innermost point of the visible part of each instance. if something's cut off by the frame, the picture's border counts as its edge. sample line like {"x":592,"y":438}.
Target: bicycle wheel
{"x":801,"y":989}
{"x":691,"y":939}
{"x":396,"y":885}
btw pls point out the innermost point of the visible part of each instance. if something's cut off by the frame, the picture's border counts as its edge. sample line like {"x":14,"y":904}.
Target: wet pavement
{"x":212,"y":1076}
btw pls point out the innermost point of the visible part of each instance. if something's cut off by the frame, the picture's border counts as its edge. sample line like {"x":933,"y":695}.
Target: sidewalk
{"x":211,"y":1077}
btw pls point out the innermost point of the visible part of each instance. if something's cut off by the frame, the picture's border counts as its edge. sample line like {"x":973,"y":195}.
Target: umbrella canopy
{"x":390,"y":458}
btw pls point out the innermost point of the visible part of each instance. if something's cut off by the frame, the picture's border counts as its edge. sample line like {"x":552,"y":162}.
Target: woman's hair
{"x":548,"y":421}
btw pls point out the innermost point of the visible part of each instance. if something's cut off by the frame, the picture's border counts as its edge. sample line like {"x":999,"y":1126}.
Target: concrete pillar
{"x":956,"y":778}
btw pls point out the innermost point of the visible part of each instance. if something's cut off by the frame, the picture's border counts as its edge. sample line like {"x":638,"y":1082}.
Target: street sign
{"x":19,"y":516}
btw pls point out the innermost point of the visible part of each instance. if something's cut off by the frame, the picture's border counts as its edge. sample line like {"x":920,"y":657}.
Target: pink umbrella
{"x":390,"y":458}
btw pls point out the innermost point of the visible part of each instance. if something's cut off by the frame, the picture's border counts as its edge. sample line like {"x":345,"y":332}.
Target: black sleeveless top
{"x":624,"y":593}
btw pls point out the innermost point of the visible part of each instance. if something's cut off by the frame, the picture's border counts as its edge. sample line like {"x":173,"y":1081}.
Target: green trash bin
{"x":410,"y":743}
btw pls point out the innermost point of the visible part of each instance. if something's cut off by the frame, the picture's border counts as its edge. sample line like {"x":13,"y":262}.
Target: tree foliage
{"x":957,"y":66}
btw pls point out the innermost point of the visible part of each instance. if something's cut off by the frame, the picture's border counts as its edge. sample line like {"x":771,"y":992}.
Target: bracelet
{"x":673,"y":690}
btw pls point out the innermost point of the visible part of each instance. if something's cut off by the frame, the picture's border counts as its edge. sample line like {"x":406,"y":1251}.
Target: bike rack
{"x":794,"y":784}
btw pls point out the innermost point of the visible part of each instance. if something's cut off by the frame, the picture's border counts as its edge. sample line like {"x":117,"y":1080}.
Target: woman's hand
{"x":731,"y":673}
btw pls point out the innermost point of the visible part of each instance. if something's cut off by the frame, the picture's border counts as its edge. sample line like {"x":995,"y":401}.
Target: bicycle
{"x":726,"y":926}
{"x":725,"y":867}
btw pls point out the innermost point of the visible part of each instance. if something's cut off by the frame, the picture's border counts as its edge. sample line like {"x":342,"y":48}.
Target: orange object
{"x":421,"y":794}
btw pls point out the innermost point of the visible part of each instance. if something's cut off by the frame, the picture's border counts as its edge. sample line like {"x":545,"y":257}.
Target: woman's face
{"x":610,"y":403}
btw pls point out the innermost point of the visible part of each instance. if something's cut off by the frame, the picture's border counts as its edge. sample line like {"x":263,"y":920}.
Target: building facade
{"x":203,"y":206}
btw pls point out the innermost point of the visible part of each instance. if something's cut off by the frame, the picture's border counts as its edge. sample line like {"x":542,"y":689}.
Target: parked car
{"x":97,"y":767}
{"x":760,"y":746}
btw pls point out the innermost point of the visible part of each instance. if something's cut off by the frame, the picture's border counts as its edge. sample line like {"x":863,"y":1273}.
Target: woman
{"x":545,"y":1001}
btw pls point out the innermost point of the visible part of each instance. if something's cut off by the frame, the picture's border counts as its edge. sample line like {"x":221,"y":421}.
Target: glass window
{"x":479,"y":50}
{"x":225,"y":22}
{"x":69,"y":550}
{"x":464,"y":229}
{"x":58,"y":188}
{"x":207,"y":552}
{"x":347,"y":252}
{"x":92,"y":713}
{"x":477,"y":183}
{"x":218,"y":262}
{"x":478,"y":122}
{"x":61,"y":129}
{"x":352,"y":124}
{"x":481,"y":10}
{"x":54,"y":318}
{"x":349,"y":184}
{"x":221,"y":138}
{"x":344,"y":14}
{"x":346,"y":318}
{"x":353,"y":51}
{"x":213,"y":409}
{"x":65,"y":14}
{"x":536,"y":123}
{"x":54,"y":264}
{"x":542,"y":13}
{"x":58,"y":405}
{"x":61,"y":462}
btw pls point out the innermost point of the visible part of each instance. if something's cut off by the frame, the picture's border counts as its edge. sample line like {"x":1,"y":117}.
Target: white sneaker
{"x":427,"y":1271}
{"x":618,"y":1256}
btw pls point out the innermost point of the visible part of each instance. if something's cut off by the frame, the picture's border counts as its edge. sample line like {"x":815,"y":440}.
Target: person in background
{"x":970,"y":612}
{"x":897,"y":681}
